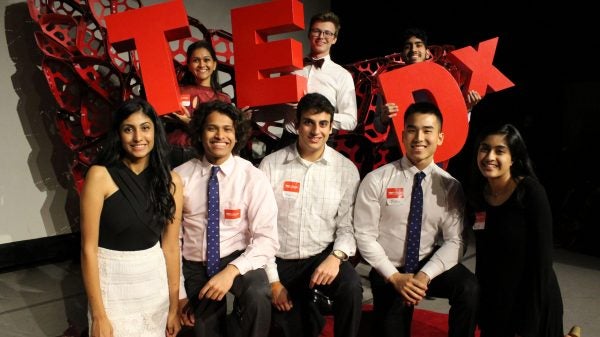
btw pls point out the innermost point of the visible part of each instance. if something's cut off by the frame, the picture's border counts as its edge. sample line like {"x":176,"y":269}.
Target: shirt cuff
{"x":432,"y":270}
{"x":272,"y":274}
{"x":242,"y":264}
{"x":387,"y":270}
{"x":182,"y":293}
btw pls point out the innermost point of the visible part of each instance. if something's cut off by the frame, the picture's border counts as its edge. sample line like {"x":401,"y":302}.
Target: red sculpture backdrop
{"x":89,"y":78}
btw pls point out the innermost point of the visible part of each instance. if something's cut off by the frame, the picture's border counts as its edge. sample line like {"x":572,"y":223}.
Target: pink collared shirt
{"x":248,"y":213}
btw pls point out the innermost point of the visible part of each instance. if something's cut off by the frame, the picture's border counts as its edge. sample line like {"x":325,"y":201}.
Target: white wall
{"x":36,"y":195}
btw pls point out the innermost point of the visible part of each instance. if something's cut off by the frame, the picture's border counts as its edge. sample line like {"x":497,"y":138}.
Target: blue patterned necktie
{"x":413,"y":235}
{"x":212,"y":231}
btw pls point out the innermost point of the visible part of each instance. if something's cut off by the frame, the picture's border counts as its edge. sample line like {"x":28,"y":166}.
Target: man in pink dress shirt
{"x":247,"y":229}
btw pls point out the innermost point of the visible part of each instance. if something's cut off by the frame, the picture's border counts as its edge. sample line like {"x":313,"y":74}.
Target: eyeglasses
{"x":317,"y":32}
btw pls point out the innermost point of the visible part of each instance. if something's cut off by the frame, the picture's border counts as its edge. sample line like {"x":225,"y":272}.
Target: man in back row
{"x":325,"y":77}
{"x":414,"y":50}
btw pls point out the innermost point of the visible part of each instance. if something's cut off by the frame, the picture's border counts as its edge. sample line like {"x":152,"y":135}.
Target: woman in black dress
{"x":130,"y":217}
{"x":520,"y":295}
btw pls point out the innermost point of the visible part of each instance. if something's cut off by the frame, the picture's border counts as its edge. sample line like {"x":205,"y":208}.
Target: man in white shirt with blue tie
{"x":384,"y":203}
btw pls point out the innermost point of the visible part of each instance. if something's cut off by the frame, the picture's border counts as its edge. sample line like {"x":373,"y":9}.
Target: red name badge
{"x":232,"y":214}
{"x":395,"y":193}
{"x":479,"y":221}
{"x":291,"y":186}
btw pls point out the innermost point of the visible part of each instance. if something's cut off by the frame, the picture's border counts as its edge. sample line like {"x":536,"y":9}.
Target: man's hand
{"x":186,"y":313}
{"x":472,"y":99}
{"x":389,"y":111}
{"x":326,"y":272}
{"x":280,"y":299}
{"x":218,"y":286}
{"x":411,"y":287}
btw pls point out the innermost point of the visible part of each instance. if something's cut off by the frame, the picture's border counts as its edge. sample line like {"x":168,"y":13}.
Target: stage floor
{"x":42,"y":300}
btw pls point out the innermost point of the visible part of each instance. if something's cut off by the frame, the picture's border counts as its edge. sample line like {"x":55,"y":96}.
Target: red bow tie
{"x":316,"y":63}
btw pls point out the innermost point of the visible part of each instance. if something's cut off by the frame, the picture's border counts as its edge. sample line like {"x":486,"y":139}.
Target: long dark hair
{"x":189,"y":78}
{"x":522,"y":165}
{"x":162,"y":202}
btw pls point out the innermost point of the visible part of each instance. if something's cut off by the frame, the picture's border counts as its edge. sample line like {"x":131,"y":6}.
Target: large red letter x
{"x":484,"y":77}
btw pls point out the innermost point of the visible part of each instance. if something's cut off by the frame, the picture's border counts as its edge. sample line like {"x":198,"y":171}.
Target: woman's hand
{"x":101,"y":327}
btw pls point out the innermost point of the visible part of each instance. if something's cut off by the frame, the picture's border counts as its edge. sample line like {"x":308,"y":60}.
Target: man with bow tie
{"x":325,"y":77}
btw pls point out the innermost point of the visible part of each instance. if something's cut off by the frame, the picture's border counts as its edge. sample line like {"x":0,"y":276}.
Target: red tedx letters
{"x":148,"y":30}
{"x":256,"y":58}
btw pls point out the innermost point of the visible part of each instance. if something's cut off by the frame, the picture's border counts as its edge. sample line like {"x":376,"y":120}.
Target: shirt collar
{"x":412,"y":169}
{"x":293,"y":154}
{"x":327,"y":58}
{"x":226,"y":167}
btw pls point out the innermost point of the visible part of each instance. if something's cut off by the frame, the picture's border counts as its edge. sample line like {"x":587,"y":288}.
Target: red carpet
{"x":425,"y":324}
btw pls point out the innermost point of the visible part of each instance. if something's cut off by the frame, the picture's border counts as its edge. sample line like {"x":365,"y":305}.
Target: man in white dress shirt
{"x":315,"y":187}
{"x":325,"y":77}
{"x":381,"y":216}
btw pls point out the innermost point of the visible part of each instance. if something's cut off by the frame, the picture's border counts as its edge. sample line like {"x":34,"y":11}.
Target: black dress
{"x":131,"y":265}
{"x":127,"y":221}
{"x":519,"y":290}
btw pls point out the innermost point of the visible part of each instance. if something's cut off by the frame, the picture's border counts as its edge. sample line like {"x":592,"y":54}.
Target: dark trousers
{"x":252,"y":306}
{"x":393,"y":318}
{"x":305,"y":320}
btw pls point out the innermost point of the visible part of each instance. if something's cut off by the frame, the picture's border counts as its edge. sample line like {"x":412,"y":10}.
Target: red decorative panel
{"x":89,"y":79}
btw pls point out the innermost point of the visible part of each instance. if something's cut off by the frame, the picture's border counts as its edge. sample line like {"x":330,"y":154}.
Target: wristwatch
{"x":340,"y":255}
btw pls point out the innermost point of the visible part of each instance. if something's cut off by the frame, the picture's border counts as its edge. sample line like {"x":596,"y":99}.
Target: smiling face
{"x":414,"y":50}
{"x":218,"y":137}
{"x":322,"y":35}
{"x":421,"y":137}
{"x":494,"y":158}
{"x":137,"y":136}
{"x":313,"y":131}
{"x":202,"y":65}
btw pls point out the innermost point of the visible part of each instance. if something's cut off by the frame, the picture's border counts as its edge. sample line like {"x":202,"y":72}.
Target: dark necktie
{"x":316,"y":63}
{"x":413,"y":235}
{"x":212,"y":231}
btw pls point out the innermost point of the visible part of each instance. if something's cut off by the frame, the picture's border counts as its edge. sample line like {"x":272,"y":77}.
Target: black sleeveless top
{"x":126,"y":222}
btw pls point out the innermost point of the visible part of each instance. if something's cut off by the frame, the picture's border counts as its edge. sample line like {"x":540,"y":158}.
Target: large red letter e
{"x":256,"y":58}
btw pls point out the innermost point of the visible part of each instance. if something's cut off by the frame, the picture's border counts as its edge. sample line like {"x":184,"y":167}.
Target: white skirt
{"x":135,"y":291}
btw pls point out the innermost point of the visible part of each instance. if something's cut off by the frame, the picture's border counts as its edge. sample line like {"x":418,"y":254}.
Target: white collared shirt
{"x":334,"y":82}
{"x":315,"y":202}
{"x":381,"y":216}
